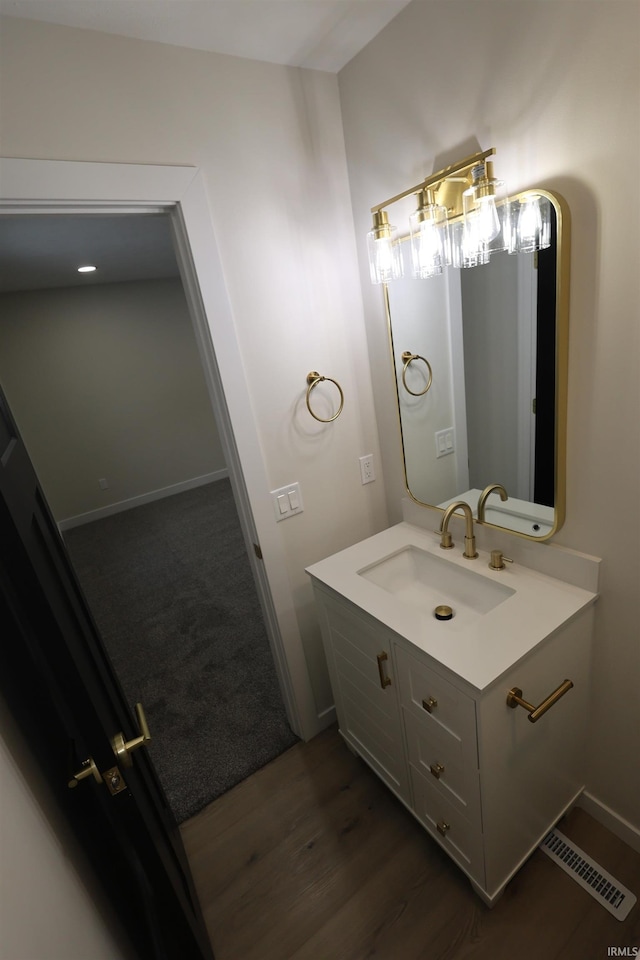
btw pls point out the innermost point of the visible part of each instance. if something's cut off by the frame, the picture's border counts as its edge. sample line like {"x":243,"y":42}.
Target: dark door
{"x":57,"y":678}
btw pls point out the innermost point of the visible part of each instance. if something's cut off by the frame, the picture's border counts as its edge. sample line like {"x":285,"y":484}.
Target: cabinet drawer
{"x":443,"y":763}
{"x":436,"y":703}
{"x":461,"y":838}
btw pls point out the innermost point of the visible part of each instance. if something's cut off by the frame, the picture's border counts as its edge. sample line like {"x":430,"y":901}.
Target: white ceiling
{"x":40,"y":252}
{"x":318,"y":34}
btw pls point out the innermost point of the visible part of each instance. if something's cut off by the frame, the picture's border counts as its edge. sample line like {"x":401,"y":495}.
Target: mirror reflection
{"x":480,"y":374}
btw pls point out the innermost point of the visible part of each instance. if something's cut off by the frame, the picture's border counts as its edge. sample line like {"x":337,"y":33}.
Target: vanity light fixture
{"x":463,"y":216}
{"x":88,"y":268}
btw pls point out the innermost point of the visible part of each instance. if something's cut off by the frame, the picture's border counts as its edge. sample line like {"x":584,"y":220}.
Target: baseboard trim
{"x":610,"y":819}
{"x":138,"y":501}
{"x":327,"y":717}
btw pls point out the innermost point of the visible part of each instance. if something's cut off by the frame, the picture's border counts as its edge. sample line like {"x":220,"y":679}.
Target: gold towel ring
{"x":313,"y":379}
{"x":407,"y":356}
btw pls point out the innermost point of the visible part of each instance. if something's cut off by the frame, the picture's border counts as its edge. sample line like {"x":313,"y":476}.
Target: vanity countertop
{"x":479,"y":651}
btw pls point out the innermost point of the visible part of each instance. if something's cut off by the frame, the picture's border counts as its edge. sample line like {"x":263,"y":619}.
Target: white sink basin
{"x":400,"y":575}
{"x":425,"y":581}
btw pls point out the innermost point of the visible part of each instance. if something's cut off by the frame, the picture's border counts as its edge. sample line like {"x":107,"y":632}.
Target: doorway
{"x":123,"y":222}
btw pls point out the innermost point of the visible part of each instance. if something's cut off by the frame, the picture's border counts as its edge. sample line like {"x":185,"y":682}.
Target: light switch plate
{"x":445,"y":442}
{"x":287,"y":501}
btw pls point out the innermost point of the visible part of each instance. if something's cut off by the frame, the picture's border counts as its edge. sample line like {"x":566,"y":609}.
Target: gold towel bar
{"x":313,"y":379}
{"x":514,"y":699}
{"x":407,"y":357}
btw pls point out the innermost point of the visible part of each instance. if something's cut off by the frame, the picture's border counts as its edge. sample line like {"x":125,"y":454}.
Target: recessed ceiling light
{"x":87,"y":269}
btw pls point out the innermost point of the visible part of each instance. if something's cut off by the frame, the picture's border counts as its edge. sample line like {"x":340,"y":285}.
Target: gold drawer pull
{"x":437,"y":770}
{"x":384,"y":681}
{"x":430,"y":704}
{"x":514,"y":699}
{"x":443,"y":827}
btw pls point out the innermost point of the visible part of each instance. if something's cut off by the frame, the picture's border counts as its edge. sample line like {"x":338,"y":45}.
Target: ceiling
{"x":40,"y":252}
{"x":318,"y":34}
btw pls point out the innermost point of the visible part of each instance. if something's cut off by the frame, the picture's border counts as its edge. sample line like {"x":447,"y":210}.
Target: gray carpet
{"x":171,"y":589}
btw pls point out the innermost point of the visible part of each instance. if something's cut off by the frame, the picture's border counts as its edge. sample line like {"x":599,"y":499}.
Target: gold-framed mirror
{"x":491,"y":343}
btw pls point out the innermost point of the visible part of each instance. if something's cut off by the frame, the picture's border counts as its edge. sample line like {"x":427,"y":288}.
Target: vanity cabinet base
{"x":483,"y":780}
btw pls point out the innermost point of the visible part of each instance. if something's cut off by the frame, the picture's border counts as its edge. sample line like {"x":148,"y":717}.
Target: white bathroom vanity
{"x":432,"y":704}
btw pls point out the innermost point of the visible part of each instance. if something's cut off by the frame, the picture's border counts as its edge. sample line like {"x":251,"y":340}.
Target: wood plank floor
{"x":312,"y":858}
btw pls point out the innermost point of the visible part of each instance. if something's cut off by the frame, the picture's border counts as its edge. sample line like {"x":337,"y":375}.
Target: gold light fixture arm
{"x":458,"y":170}
{"x":514,"y":699}
{"x":124,"y":748}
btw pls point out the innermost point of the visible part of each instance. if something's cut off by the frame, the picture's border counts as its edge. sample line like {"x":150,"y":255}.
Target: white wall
{"x":47,"y":911}
{"x":554,"y":88}
{"x":106,"y":382}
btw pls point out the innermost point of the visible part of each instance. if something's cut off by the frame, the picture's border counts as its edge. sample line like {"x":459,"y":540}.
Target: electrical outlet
{"x":103,"y":483}
{"x":367,"y":473}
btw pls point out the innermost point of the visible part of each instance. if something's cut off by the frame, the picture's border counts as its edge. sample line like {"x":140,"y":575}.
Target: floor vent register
{"x":601,"y":885}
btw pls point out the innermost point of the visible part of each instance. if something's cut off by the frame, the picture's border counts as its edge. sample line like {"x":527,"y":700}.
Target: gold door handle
{"x":430,"y":704}
{"x":88,"y":769}
{"x":514,"y":699}
{"x":437,"y":770}
{"x":384,"y":680}
{"x":124,"y":748}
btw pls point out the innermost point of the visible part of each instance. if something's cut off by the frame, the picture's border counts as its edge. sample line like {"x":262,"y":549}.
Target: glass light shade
{"x":508,"y":212}
{"x":482,"y":206}
{"x":487,"y":220}
{"x":529,"y":226}
{"x":385,"y":261}
{"x":429,"y":241}
{"x":477,"y":224}
{"x":470,"y":248}
{"x":534,"y":225}
{"x":455,"y":243}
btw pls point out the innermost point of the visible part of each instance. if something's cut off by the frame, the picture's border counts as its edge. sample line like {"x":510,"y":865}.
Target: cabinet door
{"x":532,"y":772}
{"x":359,"y":656}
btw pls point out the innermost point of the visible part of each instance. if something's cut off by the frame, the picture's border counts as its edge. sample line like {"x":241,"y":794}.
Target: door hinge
{"x":533,"y":406}
{"x":257,"y":551}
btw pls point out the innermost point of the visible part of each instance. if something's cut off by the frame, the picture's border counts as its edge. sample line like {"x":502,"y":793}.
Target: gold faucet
{"x":469,"y":540}
{"x":498,"y":488}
